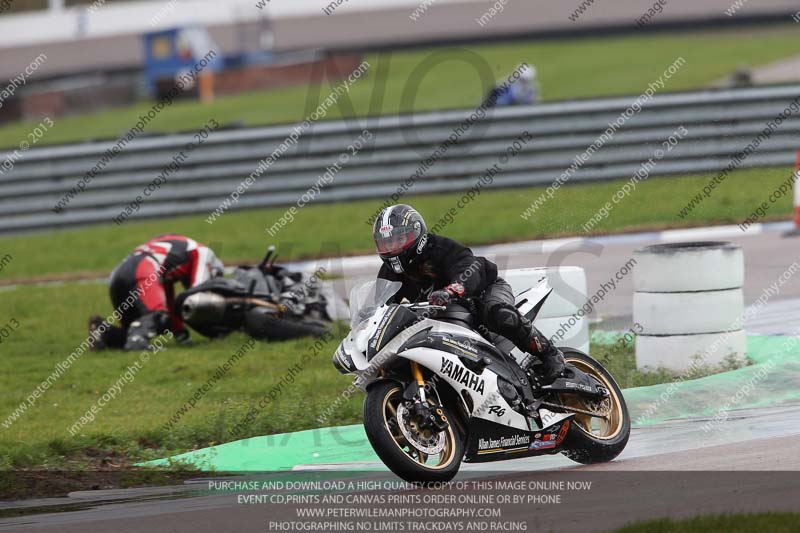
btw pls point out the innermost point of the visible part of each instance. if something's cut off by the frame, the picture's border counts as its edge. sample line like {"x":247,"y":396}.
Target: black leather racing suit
{"x":444,"y":262}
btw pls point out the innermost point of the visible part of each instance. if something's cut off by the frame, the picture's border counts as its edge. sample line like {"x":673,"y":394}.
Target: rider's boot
{"x":144,"y":329}
{"x":553,"y":363}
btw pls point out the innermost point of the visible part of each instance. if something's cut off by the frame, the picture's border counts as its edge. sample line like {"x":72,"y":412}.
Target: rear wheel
{"x":595,"y":439}
{"x":414,"y":454}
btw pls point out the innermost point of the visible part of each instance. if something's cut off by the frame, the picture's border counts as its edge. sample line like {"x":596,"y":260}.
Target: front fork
{"x":416,"y":373}
{"x":430,"y":418}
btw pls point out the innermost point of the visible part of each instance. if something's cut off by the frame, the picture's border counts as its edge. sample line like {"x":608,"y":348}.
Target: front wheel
{"x":414,"y":454}
{"x":593,"y":439}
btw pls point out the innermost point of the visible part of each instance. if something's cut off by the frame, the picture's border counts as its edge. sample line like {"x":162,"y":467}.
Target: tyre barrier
{"x":688,"y":313}
{"x":685,"y":353}
{"x":797,"y":196}
{"x":558,"y":319}
{"x":689,"y":266}
{"x":688,"y":301}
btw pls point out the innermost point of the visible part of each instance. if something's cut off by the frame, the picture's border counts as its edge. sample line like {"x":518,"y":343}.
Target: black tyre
{"x":592,"y":440}
{"x":261,"y":323}
{"x":382,"y":404}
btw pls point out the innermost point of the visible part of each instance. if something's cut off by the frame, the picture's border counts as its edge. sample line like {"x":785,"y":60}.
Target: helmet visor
{"x":396,"y":240}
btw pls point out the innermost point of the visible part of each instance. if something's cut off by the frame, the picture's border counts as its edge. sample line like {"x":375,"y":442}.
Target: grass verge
{"x":27,"y":484}
{"x":341,"y":228}
{"x":732,"y":523}
{"x":447,"y":78}
{"x":135,"y":425}
{"x":620,"y":359}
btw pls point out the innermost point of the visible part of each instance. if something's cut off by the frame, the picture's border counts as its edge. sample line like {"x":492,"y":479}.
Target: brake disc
{"x":428,"y":445}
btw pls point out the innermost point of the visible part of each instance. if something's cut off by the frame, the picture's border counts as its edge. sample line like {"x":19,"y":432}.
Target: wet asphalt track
{"x":670,"y":469}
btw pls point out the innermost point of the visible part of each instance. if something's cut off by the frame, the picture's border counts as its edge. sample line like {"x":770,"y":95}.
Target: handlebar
{"x":425,"y":306}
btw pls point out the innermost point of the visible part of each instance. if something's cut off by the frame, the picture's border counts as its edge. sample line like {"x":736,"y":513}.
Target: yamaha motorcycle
{"x":266,"y":301}
{"x":440,"y":389}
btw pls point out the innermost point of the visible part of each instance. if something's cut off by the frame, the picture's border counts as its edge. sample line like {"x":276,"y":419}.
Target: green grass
{"x":52,"y":323}
{"x":620,"y":359}
{"x":445,"y":78}
{"x":732,"y":523}
{"x":339,"y":228}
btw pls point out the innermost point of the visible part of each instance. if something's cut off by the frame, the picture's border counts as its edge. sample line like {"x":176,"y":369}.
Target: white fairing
{"x":533,"y":296}
{"x":487,"y":402}
{"x":560,"y":319}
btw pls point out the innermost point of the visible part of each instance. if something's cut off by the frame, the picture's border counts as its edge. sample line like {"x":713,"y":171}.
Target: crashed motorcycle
{"x":440,"y":389}
{"x":267,"y":301}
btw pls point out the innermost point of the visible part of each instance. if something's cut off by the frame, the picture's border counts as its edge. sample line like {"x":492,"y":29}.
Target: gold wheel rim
{"x":600,"y":428}
{"x":390,"y":402}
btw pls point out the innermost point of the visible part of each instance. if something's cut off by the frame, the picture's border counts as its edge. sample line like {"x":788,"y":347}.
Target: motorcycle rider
{"x":142,"y":289}
{"x":443,"y":270}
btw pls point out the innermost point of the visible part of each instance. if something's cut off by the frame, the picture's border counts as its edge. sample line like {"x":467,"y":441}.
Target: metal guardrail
{"x":720,"y":124}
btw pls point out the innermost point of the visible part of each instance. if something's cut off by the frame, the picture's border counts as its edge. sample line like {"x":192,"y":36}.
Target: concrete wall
{"x":77,"y":40}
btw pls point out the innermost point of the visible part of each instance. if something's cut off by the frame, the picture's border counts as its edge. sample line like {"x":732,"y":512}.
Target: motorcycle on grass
{"x":266,"y":301}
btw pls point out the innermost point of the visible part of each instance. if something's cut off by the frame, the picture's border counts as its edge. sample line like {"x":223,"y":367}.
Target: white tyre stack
{"x":689,"y":305}
{"x":558,"y":319}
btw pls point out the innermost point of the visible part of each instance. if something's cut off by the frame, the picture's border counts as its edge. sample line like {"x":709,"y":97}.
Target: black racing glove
{"x":444,"y":296}
{"x":441,"y":297}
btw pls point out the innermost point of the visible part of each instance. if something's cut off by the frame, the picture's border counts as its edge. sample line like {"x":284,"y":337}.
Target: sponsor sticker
{"x":496,"y":410}
{"x":542,"y":445}
{"x":562,"y":433}
{"x":504,"y":443}
{"x":422,"y":243}
{"x":460,"y":374}
{"x":464,"y":346}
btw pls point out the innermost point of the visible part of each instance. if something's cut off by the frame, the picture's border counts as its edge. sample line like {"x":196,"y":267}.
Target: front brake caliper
{"x":427,"y":416}
{"x":431,"y":417}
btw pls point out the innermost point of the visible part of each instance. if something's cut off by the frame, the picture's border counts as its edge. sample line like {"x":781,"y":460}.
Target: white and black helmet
{"x":400,"y":236}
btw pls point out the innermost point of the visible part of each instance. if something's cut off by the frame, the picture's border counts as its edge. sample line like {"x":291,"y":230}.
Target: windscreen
{"x":366,"y":298}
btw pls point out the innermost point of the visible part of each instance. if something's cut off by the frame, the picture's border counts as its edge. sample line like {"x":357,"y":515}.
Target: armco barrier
{"x":720,"y":123}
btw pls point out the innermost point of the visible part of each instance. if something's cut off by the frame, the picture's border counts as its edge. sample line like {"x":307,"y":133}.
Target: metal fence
{"x":720,"y":124}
